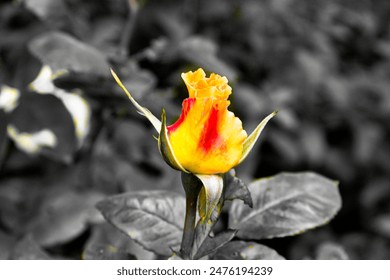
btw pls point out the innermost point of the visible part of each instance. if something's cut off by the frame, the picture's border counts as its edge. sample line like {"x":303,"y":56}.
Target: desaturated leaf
{"x":77,"y":106}
{"x":28,"y":249}
{"x":139,"y":82}
{"x":53,"y":11}
{"x":210,"y":203}
{"x":213,"y":243}
{"x":175,"y":258}
{"x":286,"y":204}
{"x":152,"y":218}
{"x":381,"y":224}
{"x":19,"y":198}
{"x":126,"y":158}
{"x":376,"y":192}
{"x":3,"y":136}
{"x":63,"y":52}
{"x":241,"y":250}
{"x":64,"y":215}
{"x":331,"y":251}
{"x":203,"y":52}
{"x":109,"y":243}
{"x":235,"y":188}
{"x":141,"y":110}
{"x":40,"y":113}
{"x":6,"y":245}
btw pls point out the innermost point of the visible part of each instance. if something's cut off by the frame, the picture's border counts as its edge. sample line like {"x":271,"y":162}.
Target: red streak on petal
{"x":210,"y":137}
{"x":186,"y":107}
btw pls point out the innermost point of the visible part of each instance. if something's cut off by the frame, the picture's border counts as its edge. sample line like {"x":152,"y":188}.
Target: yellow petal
{"x":207,"y":138}
{"x":165,"y":146}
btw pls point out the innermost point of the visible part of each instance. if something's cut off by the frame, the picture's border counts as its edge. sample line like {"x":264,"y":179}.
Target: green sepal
{"x":165,"y":147}
{"x":252,"y":139}
{"x":141,"y":110}
{"x":209,"y":195}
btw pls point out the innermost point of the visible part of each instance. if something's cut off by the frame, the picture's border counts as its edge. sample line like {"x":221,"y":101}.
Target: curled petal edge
{"x":252,"y":138}
{"x":141,"y":110}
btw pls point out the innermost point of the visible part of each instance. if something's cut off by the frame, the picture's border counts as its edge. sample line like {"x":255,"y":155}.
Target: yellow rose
{"x":207,"y":138}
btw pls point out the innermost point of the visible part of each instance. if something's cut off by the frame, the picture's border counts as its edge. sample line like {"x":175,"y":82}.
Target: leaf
{"x":142,"y":110}
{"x":286,"y":204}
{"x":77,"y":106}
{"x":39,"y":113}
{"x":235,"y":188}
{"x":154,"y":219}
{"x":64,"y":216}
{"x":3,"y":137}
{"x":28,"y":249}
{"x":241,"y":250}
{"x":210,"y":203}
{"x":209,"y":196}
{"x":140,"y":82}
{"x":125,"y":158}
{"x":19,"y":198}
{"x":53,"y":11}
{"x":381,"y":224}
{"x":7,"y":243}
{"x":331,"y":251}
{"x":211,"y":244}
{"x":63,"y":52}
{"x":252,"y":138}
{"x":109,"y":243}
{"x":203,"y":52}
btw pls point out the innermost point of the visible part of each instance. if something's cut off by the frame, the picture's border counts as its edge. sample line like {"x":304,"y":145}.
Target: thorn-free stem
{"x":189,"y":226}
{"x":192,"y":187}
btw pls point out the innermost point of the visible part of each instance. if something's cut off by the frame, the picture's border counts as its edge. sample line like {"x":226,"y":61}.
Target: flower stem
{"x":189,"y":225}
{"x":192,"y":187}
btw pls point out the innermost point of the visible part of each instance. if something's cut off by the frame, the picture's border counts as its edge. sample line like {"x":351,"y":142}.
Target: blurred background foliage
{"x":325,"y":64}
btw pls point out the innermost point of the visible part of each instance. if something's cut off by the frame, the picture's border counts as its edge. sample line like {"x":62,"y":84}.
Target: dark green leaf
{"x":213,"y":243}
{"x":235,"y":188}
{"x":286,"y":204}
{"x":241,"y":250}
{"x":63,"y":52}
{"x":152,"y":218}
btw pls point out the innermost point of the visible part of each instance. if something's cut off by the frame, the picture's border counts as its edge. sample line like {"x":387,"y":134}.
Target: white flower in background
{"x":77,"y":106}
{"x":9,"y":98}
{"x":32,"y":143}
